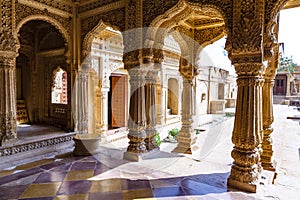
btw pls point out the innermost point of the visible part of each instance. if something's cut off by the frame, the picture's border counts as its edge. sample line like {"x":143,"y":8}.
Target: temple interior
{"x":136,"y":99}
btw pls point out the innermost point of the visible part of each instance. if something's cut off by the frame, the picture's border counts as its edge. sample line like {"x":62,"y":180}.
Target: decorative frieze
{"x":57,"y":7}
{"x":8,"y":151}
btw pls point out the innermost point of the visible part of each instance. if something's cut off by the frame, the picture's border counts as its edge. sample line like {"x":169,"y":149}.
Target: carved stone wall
{"x":114,"y":18}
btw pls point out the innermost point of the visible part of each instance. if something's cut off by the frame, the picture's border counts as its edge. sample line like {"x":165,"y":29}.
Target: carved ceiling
{"x":292,"y":4}
{"x":203,"y":27}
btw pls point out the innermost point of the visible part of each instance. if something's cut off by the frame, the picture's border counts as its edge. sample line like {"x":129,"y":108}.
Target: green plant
{"x":173,"y":133}
{"x":286,"y":64}
{"x":157,"y":139}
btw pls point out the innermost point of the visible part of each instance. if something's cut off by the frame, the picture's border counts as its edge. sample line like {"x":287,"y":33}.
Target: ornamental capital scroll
{"x":187,"y":70}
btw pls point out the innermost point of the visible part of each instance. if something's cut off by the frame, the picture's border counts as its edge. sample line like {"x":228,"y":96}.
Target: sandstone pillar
{"x":247,"y":131}
{"x":160,"y":91}
{"x":268,"y":118}
{"x":8,"y":54}
{"x":150,"y":88}
{"x":81,"y":99}
{"x":8,"y":123}
{"x":137,"y":117}
{"x":186,"y":136}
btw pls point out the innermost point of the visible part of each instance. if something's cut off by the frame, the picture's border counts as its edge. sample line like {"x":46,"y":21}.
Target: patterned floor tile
{"x":23,"y":181}
{"x":168,"y":192}
{"x":6,"y":172}
{"x":12,"y":192}
{"x":109,"y":185}
{"x":196,"y":188}
{"x":83,"y":166}
{"x":34,"y":164}
{"x":39,"y":198}
{"x":72,"y":197}
{"x":41,"y":190}
{"x":61,"y":167}
{"x":51,"y":177}
{"x":79,"y":175}
{"x":106,"y":195}
{"x":136,"y":194}
{"x":135,"y":184}
{"x":20,"y":175}
{"x":161,"y":184}
{"x":74,"y":187}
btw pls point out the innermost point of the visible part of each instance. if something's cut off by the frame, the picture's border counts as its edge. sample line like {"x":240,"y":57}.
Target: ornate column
{"x":8,"y":54}
{"x":150,"y":88}
{"x":137,"y":117}
{"x":268,"y":117}
{"x":246,"y":54}
{"x":158,"y":58}
{"x":186,"y":136}
{"x":81,"y":99}
{"x":8,"y":118}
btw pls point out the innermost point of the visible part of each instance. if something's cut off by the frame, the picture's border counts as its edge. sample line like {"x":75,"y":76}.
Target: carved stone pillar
{"x":186,"y":136}
{"x":8,"y":54}
{"x":247,"y":131}
{"x":268,"y":118}
{"x":137,"y":117}
{"x":150,"y":89}
{"x":8,"y":123}
{"x":158,"y":59}
{"x":81,"y":105}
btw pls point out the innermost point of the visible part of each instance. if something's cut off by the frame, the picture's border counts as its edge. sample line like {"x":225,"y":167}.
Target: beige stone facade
{"x":161,"y":81}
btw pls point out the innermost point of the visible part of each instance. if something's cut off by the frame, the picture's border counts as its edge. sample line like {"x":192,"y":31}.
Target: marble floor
{"x":202,"y":175}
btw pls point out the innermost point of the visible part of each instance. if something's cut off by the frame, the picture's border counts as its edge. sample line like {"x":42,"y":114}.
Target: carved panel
{"x":26,"y":11}
{"x":247,"y":26}
{"x":90,"y":5}
{"x":35,"y":145}
{"x":154,"y":8}
{"x":7,"y":39}
{"x":58,"y":4}
{"x":114,"y":18}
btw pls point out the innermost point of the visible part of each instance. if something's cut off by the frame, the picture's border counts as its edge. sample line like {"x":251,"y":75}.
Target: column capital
{"x":187,"y":70}
{"x":249,"y":68}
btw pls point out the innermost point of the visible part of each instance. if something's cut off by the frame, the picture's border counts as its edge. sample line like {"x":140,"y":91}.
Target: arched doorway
{"x":42,"y":73}
{"x":109,"y":98}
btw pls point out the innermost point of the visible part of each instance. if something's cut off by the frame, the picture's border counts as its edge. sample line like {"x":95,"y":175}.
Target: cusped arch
{"x":160,"y":26}
{"x":53,"y":22}
{"x":90,"y":36}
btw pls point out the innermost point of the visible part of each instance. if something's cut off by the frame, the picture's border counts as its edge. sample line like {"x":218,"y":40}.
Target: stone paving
{"x":202,"y":175}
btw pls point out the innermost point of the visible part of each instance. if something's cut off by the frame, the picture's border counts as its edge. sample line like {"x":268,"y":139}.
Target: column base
{"x":248,"y":187}
{"x":86,"y":144}
{"x":136,"y":157}
{"x":185,"y":149}
{"x":270,"y":166}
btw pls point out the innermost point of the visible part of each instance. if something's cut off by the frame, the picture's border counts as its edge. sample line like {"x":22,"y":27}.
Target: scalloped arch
{"x":182,"y":10}
{"x":90,"y":36}
{"x":53,"y":22}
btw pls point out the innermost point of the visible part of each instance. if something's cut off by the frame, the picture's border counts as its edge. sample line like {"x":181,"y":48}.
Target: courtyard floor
{"x":202,"y":175}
